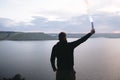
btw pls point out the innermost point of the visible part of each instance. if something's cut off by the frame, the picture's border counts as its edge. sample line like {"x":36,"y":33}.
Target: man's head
{"x":62,"y":36}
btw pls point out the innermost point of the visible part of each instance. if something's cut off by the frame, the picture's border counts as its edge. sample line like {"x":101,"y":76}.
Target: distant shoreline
{"x":27,"y":36}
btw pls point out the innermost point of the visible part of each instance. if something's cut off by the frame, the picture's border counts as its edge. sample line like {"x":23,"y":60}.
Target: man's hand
{"x":92,"y":31}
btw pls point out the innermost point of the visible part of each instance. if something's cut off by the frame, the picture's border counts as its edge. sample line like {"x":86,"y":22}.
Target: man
{"x":63,"y":51}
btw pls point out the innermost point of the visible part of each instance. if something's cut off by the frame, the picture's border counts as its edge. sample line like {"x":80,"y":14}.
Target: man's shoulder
{"x":56,"y":45}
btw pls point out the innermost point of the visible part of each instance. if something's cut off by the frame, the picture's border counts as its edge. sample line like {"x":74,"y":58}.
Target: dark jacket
{"x":63,"y":51}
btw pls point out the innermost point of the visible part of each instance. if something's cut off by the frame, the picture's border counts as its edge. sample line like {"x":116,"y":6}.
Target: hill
{"x":25,"y":36}
{"x":6,"y":35}
{"x":96,"y":35}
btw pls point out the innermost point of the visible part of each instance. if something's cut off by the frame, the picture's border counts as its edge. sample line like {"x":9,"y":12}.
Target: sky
{"x":53,"y":16}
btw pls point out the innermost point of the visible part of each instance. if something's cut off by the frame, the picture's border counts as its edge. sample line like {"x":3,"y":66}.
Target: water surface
{"x":96,"y":59}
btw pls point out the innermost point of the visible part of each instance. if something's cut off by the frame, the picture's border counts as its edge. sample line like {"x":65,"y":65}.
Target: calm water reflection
{"x":96,"y":59}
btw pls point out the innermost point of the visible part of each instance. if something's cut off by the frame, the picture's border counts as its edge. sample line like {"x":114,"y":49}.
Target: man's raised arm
{"x":82,"y":39}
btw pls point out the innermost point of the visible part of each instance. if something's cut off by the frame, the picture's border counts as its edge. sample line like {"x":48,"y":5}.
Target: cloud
{"x":104,"y":22}
{"x":5,"y":22}
{"x":24,"y":10}
{"x":107,"y":22}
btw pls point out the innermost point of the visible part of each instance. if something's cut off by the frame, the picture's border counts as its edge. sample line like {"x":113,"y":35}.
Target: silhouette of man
{"x":63,"y":51}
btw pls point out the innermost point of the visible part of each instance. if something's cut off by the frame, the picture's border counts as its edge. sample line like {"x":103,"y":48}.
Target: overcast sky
{"x":52,"y":16}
